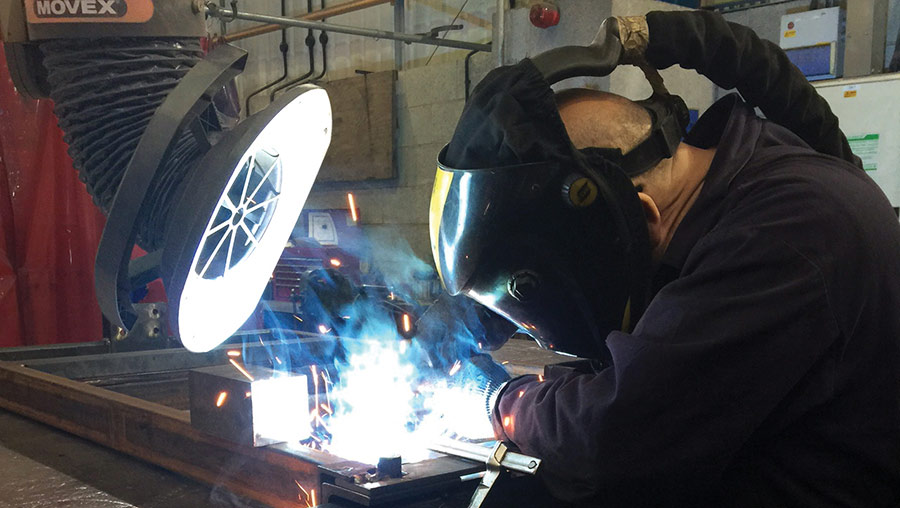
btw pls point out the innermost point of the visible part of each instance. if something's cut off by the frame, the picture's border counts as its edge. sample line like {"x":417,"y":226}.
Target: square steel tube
{"x":271,"y":408}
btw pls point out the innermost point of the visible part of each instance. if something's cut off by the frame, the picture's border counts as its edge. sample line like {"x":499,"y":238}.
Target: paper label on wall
{"x":790,"y":33}
{"x":321,"y":228}
{"x":851,"y":91}
{"x":866,"y":148}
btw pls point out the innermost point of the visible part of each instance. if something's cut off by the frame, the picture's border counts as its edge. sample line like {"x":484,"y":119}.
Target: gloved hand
{"x":484,"y":378}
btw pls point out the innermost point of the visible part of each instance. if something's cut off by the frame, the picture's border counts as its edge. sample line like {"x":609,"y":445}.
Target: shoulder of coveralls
{"x":826,"y":209}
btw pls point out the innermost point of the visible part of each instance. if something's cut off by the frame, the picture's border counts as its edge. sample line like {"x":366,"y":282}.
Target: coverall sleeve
{"x":733,"y":56}
{"x":713,"y":356}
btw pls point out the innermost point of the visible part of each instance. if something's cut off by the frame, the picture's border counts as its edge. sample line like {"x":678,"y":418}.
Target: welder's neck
{"x":678,"y":193}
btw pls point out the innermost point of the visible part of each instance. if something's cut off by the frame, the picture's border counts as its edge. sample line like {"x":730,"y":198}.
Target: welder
{"x":735,"y":290}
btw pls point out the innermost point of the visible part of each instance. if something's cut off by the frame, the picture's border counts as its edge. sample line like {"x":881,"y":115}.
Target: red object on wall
{"x":544,"y":15}
{"x":49,"y":229}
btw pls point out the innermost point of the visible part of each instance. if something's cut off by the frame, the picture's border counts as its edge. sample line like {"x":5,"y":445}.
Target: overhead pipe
{"x":344,"y":8}
{"x":217,"y":12}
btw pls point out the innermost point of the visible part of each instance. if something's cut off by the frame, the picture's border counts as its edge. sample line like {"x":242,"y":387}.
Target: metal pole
{"x":399,"y":26}
{"x":214,"y":11}
{"x":512,"y":460}
{"x":336,"y":10}
{"x":499,"y":31}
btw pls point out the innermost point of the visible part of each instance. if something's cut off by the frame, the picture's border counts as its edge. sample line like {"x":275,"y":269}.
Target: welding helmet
{"x":551,"y":237}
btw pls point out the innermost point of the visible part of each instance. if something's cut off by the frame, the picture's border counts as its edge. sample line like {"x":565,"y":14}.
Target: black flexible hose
{"x":310,"y":46}
{"x":105,"y":91}
{"x":323,"y":40}
{"x":284,"y":48}
{"x":733,"y":56}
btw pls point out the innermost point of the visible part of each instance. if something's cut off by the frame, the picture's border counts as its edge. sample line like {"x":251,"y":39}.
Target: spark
{"x":480,"y":346}
{"x":247,"y":395}
{"x":297,"y":318}
{"x":327,"y":398}
{"x":406,"y":324}
{"x":326,"y":409}
{"x":521,"y":393}
{"x":278,"y":360}
{"x":506,"y":421}
{"x":241,"y":369}
{"x":352,"y":204}
{"x":391,"y":295}
{"x":315,"y":376}
{"x":310,"y":501}
{"x":221,"y":399}
{"x":455,"y":368}
{"x":540,"y":378}
{"x":335,"y":262}
{"x":323,"y":329}
{"x":504,"y":362}
{"x":234,"y":353}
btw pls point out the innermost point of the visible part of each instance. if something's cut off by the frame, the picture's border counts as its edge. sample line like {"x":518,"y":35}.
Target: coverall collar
{"x":733,"y":127}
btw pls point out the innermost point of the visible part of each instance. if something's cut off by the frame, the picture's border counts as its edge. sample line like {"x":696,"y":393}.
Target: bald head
{"x":602,"y":119}
{"x":667,"y":191}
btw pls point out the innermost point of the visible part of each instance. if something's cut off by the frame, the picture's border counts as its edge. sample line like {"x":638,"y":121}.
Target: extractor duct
{"x":133,"y":91}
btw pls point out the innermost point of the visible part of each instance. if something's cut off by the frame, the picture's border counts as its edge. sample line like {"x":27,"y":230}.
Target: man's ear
{"x":654,"y":219}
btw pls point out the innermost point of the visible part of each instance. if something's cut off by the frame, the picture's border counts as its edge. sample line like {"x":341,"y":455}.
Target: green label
{"x":866,"y":148}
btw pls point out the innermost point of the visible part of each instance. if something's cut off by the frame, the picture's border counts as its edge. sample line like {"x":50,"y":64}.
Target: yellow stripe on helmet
{"x":442,"y":181}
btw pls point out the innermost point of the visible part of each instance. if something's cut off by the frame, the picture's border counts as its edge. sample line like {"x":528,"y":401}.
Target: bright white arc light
{"x":211,"y":309}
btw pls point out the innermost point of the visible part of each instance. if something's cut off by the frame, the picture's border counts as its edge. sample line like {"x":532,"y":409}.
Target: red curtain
{"x":49,"y":229}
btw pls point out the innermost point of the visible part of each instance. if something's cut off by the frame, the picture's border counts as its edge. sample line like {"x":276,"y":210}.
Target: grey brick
{"x":416,"y":164}
{"x":432,"y":83}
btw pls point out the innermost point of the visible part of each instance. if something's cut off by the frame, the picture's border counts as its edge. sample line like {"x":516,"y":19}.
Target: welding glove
{"x":457,"y":327}
{"x":485,"y":379}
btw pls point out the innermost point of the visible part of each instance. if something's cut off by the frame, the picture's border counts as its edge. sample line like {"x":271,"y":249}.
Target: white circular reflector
{"x":253,"y":221}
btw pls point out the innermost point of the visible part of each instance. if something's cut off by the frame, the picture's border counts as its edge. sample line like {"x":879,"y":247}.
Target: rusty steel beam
{"x":337,"y":10}
{"x":158,"y":434}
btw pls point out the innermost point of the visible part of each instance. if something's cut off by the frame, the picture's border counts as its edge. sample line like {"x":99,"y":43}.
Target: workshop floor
{"x":44,"y":467}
